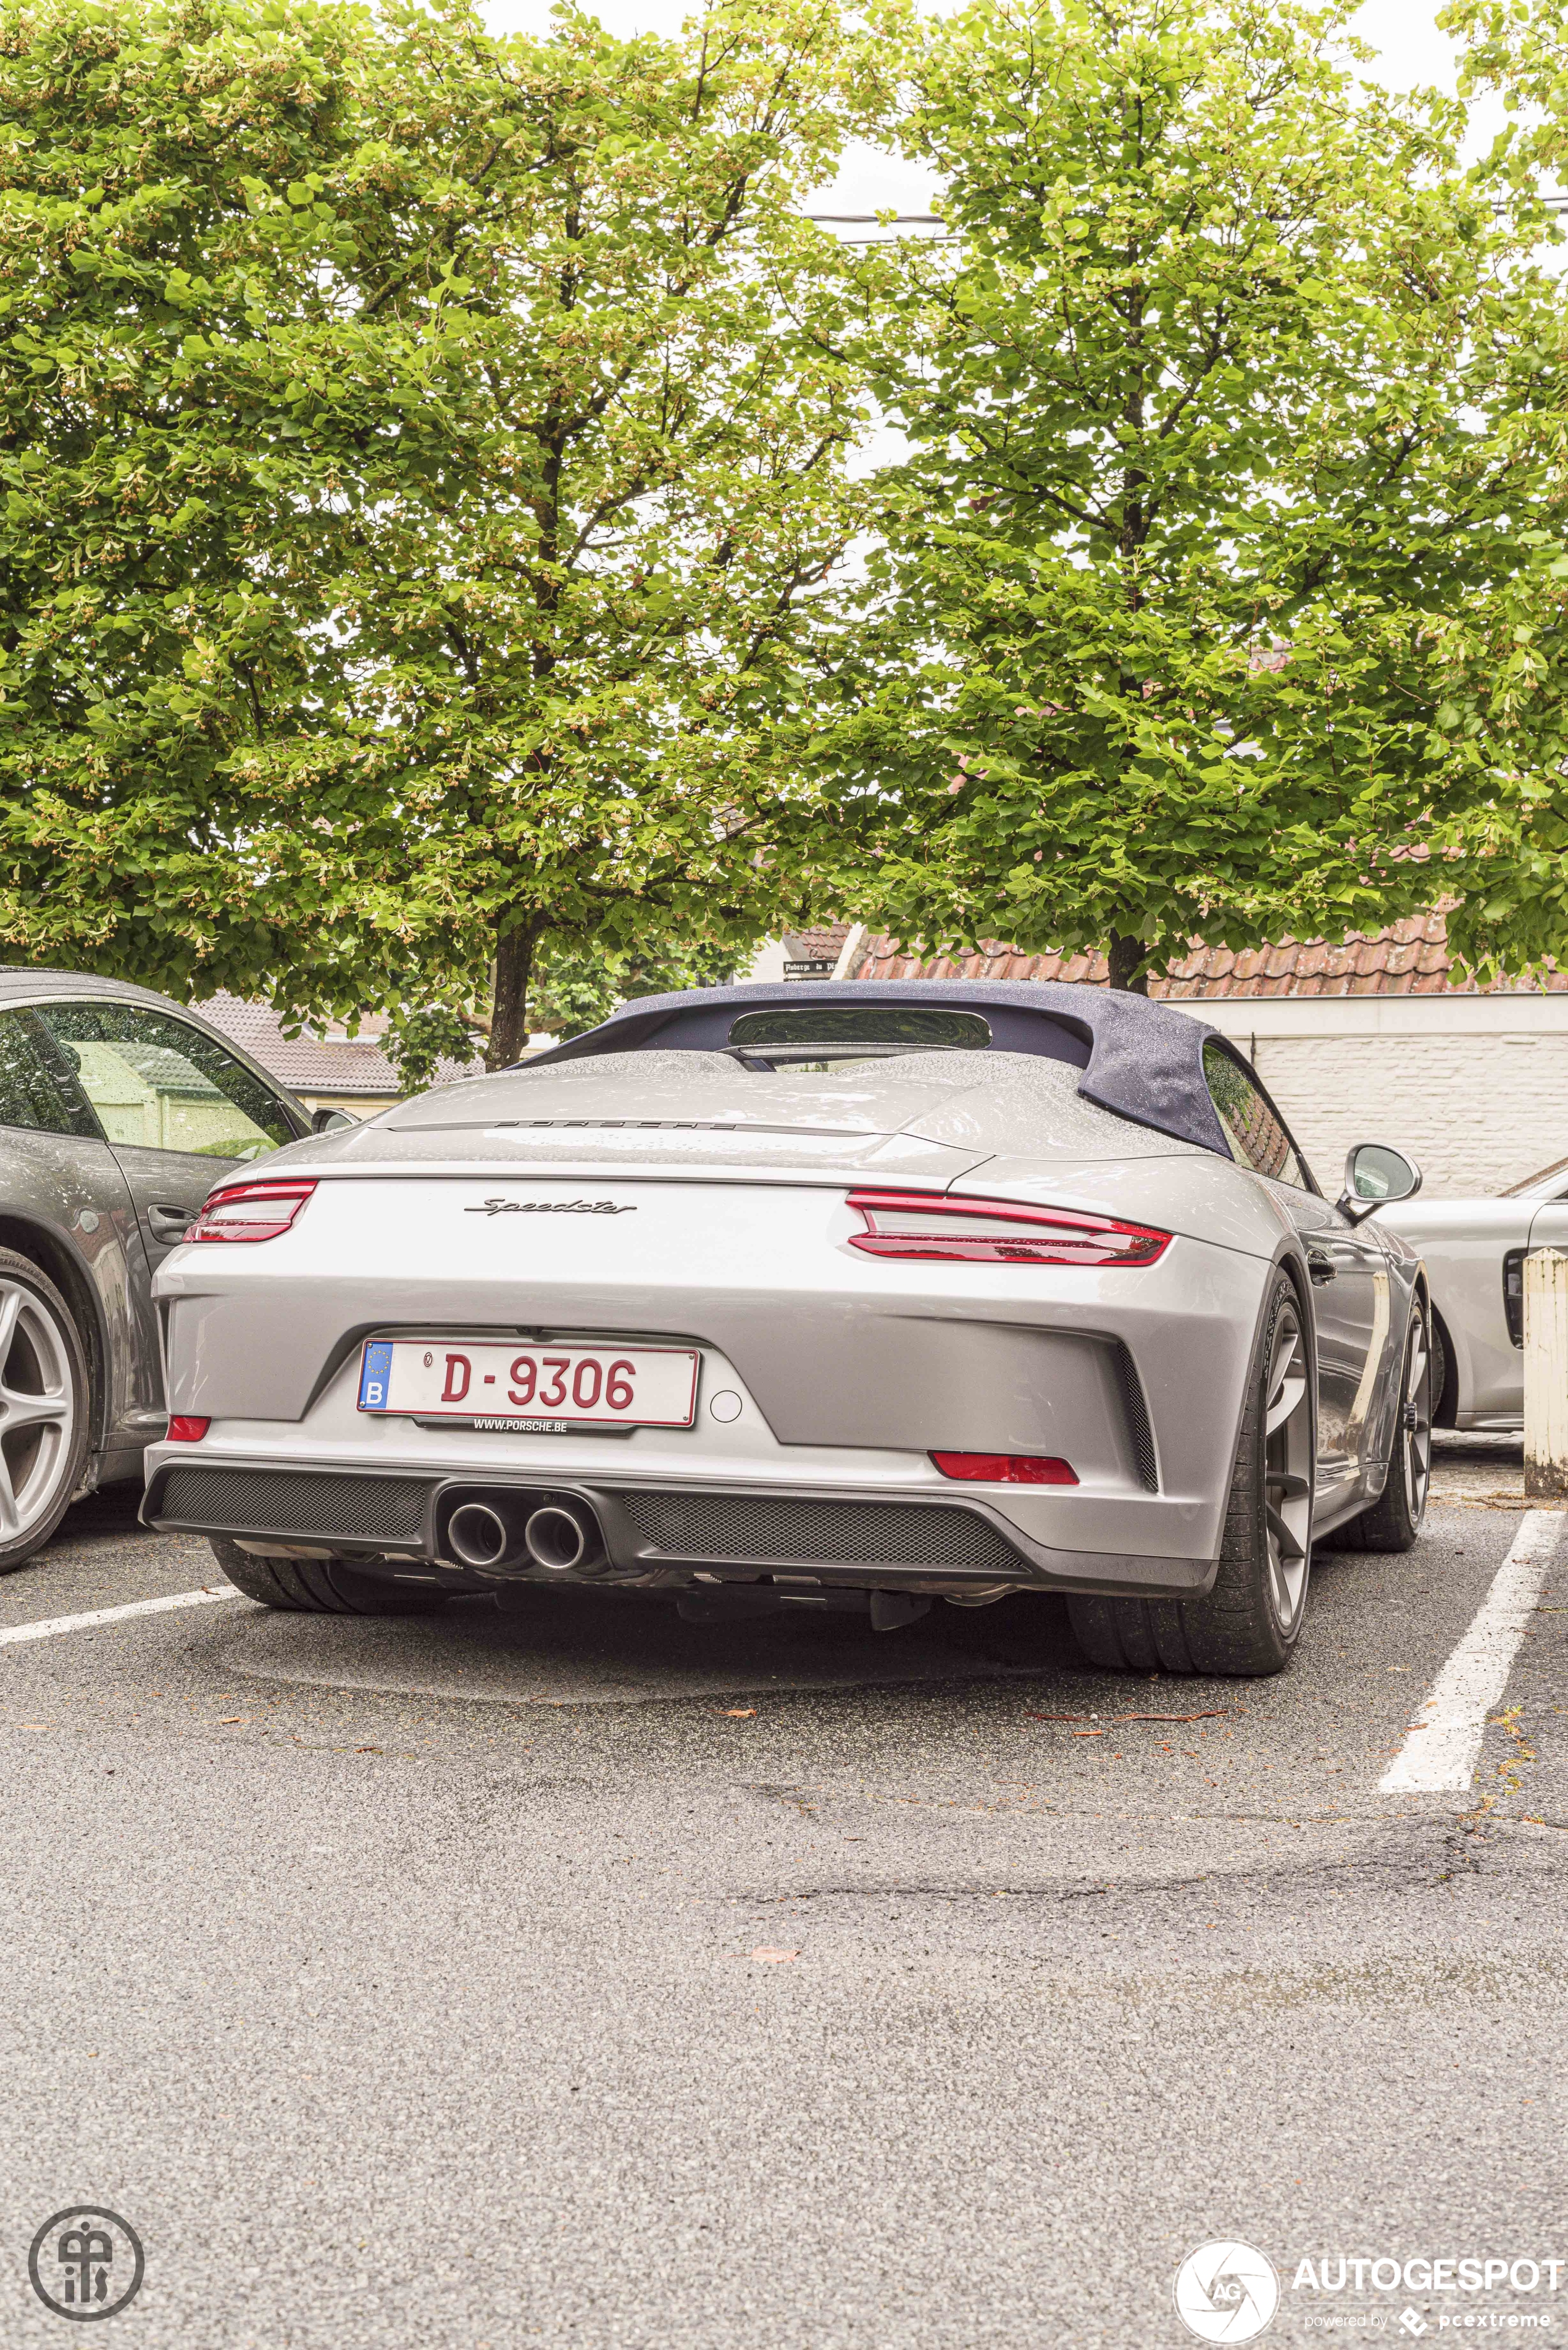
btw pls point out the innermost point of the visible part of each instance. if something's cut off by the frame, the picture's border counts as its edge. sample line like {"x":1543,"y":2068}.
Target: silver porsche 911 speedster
{"x":803,"y":1295}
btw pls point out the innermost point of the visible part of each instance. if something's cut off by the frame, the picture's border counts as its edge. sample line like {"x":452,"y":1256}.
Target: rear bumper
{"x":654,"y":1528}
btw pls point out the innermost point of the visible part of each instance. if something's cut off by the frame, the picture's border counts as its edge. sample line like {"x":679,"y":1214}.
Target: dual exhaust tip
{"x":509,"y":1531}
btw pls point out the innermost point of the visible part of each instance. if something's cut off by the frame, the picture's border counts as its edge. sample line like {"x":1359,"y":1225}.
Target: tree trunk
{"x":509,"y":1021}
{"x":1129,"y":969}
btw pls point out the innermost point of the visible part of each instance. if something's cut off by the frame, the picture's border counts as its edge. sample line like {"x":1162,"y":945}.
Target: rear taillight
{"x":252,"y":1211}
{"x":997,"y":1232}
{"x":1004,"y":1468}
{"x":186,"y":1428}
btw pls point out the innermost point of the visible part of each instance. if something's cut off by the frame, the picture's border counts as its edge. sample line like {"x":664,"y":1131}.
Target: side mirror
{"x":327,"y":1121}
{"x":1375,"y":1174}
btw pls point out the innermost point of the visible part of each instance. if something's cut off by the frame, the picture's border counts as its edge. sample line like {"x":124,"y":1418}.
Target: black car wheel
{"x":1250,"y":1621}
{"x":321,"y":1587}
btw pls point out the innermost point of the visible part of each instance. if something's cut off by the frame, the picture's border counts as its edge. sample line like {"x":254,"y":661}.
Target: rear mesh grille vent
{"x":765,"y":1532}
{"x":1138,"y":1429}
{"x":283,"y":1501}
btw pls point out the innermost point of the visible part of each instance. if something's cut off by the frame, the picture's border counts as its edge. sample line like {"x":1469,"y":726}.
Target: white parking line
{"x":1441,"y":1748}
{"x":48,"y":1625}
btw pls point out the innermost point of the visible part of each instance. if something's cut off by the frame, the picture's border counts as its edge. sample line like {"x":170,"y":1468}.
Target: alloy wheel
{"x":37,"y":1412}
{"x":1416,"y":1421}
{"x":1288,"y":1450}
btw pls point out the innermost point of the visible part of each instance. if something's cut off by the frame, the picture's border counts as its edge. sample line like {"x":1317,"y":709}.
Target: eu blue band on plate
{"x":375,"y":1373}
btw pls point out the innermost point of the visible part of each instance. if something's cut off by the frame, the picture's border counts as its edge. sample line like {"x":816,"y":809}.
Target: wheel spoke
{"x":1418,"y":1370}
{"x":1286,"y":1481}
{"x":11,"y":1303}
{"x":18,"y":1409}
{"x":1417,"y":1468}
{"x":1287,"y":1386}
{"x":10,"y":1520}
{"x":1282,"y":1539}
{"x":1284,"y":1598}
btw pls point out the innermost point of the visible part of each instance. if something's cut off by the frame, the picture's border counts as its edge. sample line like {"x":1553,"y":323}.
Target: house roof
{"x":823,"y":944}
{"x":1408,"y":958}
{"x":323,"y":1060}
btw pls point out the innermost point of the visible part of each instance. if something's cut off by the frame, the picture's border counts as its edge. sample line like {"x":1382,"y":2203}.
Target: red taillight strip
{"x":253,"y":1212}
{"x":919,"y":1224}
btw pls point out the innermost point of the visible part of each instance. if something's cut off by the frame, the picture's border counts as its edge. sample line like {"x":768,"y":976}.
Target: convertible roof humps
{"x":1142,"y":1059}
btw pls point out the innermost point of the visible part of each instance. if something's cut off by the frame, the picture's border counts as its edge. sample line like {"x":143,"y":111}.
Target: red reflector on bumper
{"x":185,"y":1428}
{"x":1004,"y":1468}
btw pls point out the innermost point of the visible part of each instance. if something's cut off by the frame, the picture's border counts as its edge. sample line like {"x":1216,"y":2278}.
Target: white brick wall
{"x":1475,"y":1087}
{"x":1478,"y":1113}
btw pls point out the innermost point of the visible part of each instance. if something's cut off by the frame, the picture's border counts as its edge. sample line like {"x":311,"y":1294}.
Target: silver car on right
{"x":1475,"y":1252}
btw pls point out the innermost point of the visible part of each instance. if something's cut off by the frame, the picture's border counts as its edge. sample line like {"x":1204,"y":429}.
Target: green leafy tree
{"x":575,"y":987}
{"x":1511,"y":676}
{"x":1234,"y":412}
{"x":421,"y":457}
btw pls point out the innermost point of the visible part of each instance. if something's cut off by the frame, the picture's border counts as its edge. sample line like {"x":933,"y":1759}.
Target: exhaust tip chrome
{"x":477,"y":1535}
{"x":556,"y":1538}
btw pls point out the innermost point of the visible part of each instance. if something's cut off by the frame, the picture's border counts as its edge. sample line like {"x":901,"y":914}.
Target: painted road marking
{"x":48,"y":1625}
{"x":1442,"y":1746}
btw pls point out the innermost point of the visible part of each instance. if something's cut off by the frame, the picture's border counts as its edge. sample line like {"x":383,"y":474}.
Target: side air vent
{"x":306,"y":1504}
{"x":762,"y":1530}
{"x":1138,"y":1429}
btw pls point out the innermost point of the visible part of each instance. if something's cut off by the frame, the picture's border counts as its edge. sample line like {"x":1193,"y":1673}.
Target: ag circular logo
{"x":85,"y":2262}
{"x":1226,"y":2293}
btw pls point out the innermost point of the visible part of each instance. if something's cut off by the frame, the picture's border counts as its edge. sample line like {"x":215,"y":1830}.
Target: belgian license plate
{"x":537,"y":1390}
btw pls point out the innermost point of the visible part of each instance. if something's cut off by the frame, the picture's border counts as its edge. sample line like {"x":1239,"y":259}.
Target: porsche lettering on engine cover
{"x":955,"y":1289}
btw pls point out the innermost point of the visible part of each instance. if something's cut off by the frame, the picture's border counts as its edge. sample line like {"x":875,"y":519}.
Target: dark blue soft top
{"x":1139,"y":1058}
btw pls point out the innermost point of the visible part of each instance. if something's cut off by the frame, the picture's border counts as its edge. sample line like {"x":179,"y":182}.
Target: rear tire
{"x":1395,"y":1520}
{"x":46,"y":1409}
{"x":321,"y":1587}
{"x":1250,"y":1619}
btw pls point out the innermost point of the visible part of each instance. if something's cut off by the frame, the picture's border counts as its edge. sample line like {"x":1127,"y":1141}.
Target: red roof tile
{"x":1409,"y":958}
{"x":823,"y":944}
{"x":321,"y":1060}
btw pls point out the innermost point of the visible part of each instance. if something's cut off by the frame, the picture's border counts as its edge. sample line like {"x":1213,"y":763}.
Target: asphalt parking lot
{"x":579,"y":1976}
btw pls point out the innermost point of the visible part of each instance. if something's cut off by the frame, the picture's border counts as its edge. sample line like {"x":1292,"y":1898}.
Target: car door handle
{"x":170,"y":1224}
{"x":1321,"y":1268}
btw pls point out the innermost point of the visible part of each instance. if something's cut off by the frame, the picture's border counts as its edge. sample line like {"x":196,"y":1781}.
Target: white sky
{"x":1403,"y":32}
